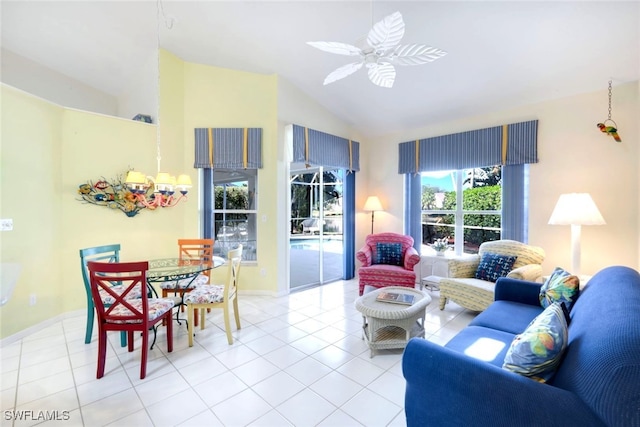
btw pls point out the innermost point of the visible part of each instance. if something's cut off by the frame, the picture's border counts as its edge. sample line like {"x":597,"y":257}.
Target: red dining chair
{"x":125,"y":314}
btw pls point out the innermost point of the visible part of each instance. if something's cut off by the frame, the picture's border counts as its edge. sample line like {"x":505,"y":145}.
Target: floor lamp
{"x":372,"y":205}
{"x":576,"y":210}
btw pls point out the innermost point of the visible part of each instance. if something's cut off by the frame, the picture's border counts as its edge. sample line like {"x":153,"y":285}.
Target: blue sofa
{"x":596,"y":384}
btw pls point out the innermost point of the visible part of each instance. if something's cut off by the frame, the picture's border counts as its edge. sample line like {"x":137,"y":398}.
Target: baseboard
{"x":11,"y":339}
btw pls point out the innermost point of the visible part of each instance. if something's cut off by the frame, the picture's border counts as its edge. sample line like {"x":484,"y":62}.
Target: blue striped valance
{"x":511,"y":144}
{"x":316,"y":148}
{"x":228,"y":148}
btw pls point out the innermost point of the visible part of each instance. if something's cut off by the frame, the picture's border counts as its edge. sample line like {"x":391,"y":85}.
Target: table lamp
{"x":372,"y":205}
{"x":576,"y":210}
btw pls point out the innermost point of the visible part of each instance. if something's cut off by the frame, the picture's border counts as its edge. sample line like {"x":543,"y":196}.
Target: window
{"x":235,"y":211}
{"x":464,"y":206}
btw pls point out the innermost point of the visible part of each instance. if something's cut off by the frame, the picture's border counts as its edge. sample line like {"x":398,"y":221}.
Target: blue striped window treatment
{"x":317,"y":148}
{"x":511,"y":144}
{"x":514,"y":146}
{"x":228,"y":148}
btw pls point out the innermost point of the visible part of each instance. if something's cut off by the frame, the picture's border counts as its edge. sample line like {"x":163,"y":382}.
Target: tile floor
{"x":299,"y":360}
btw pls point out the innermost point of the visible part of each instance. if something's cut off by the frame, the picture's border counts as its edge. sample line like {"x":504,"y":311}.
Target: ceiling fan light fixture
{"x":381,"y":52}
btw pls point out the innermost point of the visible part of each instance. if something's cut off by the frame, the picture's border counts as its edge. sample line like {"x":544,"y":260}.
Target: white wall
{"x":574,"y":156}
{"x":140,"y":96}
{"x":34,"y":78}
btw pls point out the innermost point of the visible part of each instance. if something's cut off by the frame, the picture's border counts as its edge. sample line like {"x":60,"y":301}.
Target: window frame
{"x":249,"y":253}
{"x":459,"y":213}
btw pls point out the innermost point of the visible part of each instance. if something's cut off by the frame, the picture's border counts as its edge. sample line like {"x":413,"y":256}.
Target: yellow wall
{"x":574,"y":156}
{"x":218,"y":97}
{"x":50,"y":150}
{"x":30,"y":195}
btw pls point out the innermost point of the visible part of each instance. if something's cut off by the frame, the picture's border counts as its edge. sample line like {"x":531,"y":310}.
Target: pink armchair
{"x":387,"y":260}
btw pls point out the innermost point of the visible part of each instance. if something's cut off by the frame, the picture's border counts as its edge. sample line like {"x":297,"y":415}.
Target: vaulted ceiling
{"x":500,"y":54}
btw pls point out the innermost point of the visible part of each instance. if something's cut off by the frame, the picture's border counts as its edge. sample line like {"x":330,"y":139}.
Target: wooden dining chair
{"x":217,"y":296}
{"x":124,"y":313}
{"x":189,"y":251}
{"x":106,"y":253}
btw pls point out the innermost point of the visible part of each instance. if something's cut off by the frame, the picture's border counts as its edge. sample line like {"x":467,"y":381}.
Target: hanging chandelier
{"x":164,"y":184}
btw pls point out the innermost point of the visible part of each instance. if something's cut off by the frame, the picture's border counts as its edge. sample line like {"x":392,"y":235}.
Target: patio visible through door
{"x":316,"y":226}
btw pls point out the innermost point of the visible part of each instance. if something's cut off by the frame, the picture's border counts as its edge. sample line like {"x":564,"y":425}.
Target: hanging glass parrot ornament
{"x":606,"y":126}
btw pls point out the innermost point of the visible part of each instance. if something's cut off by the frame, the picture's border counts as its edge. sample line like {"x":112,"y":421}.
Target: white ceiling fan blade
{"x":337,"y":47}
{"x":342,"y":72}
{"x":415,"y":54}
{"x":387,"y":33}
{"x":382,"y":75}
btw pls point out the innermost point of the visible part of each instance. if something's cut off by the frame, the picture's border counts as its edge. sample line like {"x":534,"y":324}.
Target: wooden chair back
{"x":105,"y":253}
{"x":132,"y":277}
{"x":196,"y":250}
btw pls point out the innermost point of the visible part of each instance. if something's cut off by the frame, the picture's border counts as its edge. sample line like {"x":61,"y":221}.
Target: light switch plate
{"x":6,"y":224}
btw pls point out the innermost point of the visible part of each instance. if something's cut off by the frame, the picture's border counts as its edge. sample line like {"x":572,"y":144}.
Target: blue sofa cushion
{"x":388,"y":253}
{"x":507,"y":316}
{"x":561,"y":286}
{"x":537,"y":351}
{"x":494,"y":266}
{"x":485,"y":344}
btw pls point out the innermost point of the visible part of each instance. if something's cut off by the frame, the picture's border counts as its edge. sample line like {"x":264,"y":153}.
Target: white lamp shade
{"x":373,"y":204}
{"x":576,"y":209}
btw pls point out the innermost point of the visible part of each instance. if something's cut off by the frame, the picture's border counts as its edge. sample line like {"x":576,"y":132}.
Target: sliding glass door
{"x":316,"y":226}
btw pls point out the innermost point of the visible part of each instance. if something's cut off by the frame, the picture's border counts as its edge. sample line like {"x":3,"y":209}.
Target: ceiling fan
{"x":381,"y":51}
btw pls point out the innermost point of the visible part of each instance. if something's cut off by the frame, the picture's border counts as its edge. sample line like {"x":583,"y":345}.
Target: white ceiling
{"x":500,"y":54}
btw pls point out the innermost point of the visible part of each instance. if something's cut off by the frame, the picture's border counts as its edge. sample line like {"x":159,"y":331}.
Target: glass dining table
{"x":177,"y":269}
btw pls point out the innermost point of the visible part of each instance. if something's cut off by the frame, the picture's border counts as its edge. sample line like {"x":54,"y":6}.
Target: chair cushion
{"x":185,"y":283}
{"x":205,"y":294}
{"x":107,"y":299}
{"x":388,"y":253}
{"x":537,"y":351}
{"x":493,"y":266}
{"x":561,"y":286}
{"x":157,"y":308}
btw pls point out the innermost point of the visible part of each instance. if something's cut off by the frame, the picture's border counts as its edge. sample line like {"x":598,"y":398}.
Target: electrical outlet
{"x":263,"y":271}
{"x":32,"y":299}
{"x":6,"y":224}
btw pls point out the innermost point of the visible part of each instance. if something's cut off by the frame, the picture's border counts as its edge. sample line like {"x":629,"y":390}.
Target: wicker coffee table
{"x":388,"y":325}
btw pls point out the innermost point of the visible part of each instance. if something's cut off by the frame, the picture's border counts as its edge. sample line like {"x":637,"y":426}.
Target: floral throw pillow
{"x":537,"y":351}
{"x":561,"y":286}
{"x":388,"y":253}
{"x":494,"y":266}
